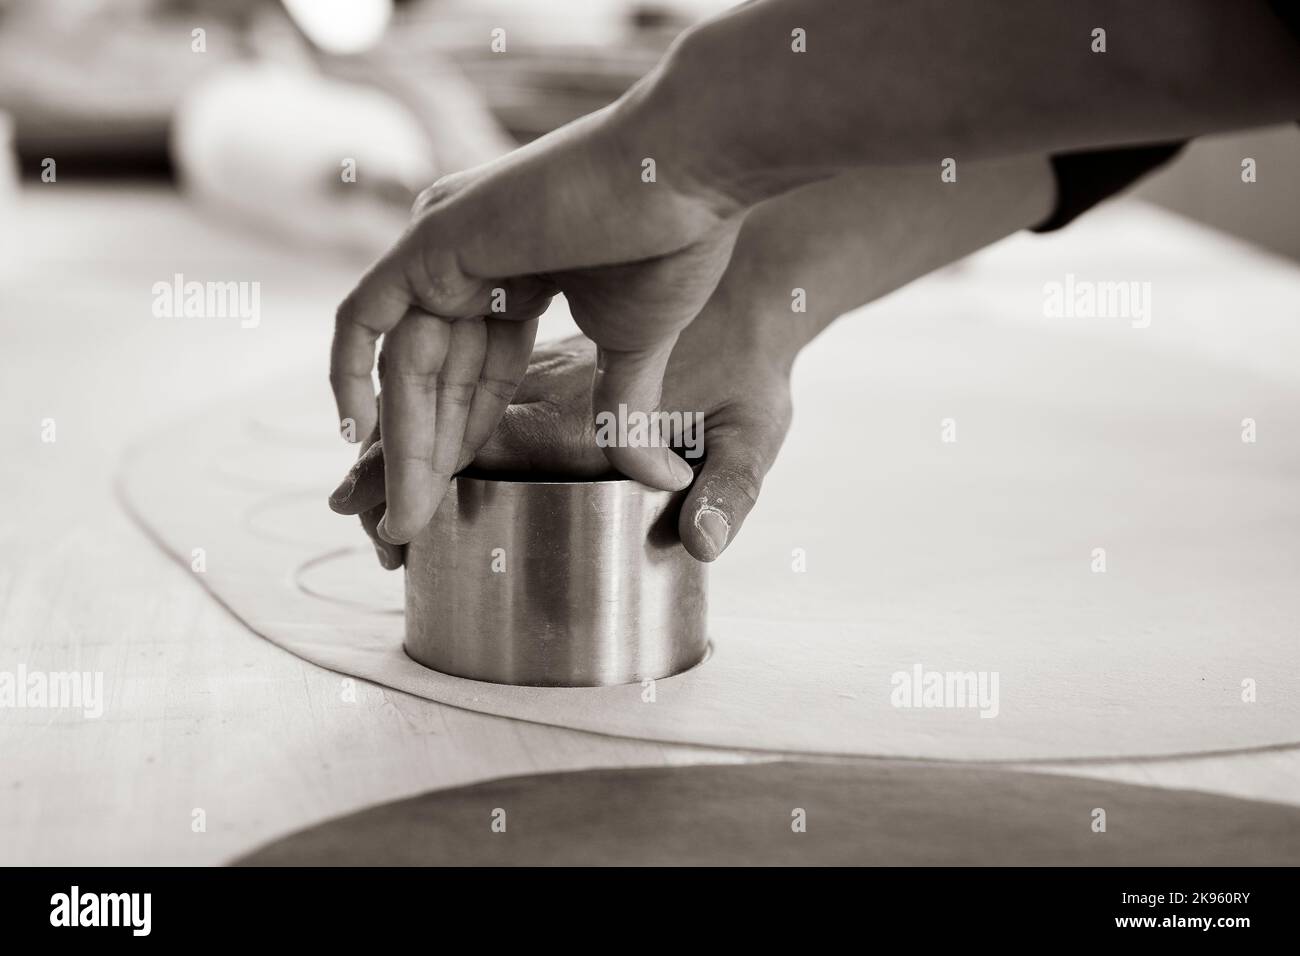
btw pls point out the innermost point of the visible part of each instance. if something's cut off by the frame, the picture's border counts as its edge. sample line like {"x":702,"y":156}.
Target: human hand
{"x":745,"y":404}
{"x":819,"y":239}
{"x":637,"y":260}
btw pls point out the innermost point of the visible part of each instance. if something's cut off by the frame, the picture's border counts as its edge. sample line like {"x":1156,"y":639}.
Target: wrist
{"x":688,"y":102}
{"x":664,"y":117}
{"x":759,"y":329}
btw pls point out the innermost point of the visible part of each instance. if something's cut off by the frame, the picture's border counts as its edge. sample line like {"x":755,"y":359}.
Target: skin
{"x":733,"y":363}
{"x":883,"y":82}
{"x":440,"y":274}
{"x":913,"y":81}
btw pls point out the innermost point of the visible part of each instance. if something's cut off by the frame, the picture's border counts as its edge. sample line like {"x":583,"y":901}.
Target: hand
{"x":745,"y":403}
{"x":567,"y":213}
{"x":818,"y":238}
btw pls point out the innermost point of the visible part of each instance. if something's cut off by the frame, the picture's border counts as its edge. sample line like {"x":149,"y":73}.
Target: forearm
{"x":914,"y":81}
{"x":840,"y":243}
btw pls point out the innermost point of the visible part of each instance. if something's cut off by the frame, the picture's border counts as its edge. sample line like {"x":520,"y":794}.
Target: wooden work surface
{"x":199,"y":712}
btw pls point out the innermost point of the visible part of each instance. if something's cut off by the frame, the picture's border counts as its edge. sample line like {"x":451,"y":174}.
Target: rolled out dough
{"x":970,"y":556}
{"x":853,"y":814}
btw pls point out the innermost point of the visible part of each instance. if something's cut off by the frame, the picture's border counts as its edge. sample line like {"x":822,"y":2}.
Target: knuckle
{"x":458,"y":394}
{"x":438,"y":284}
{"x":401,"y":337}
{"x":499,"y":388}
{"x":427,"y":197}
{"x":431,"y":195}
{"x":345,"y":311}
{"x":413,"y":380}
{"x":748,"y":485}
{"x":394,"y":458}
{"x":417,"y":345}
{"x":738,"y":485}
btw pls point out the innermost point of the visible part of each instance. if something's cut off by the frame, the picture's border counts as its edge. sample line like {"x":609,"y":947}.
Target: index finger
{"x":374,"y":307}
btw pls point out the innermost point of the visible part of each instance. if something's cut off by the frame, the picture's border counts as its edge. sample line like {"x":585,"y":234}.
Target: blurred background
{"x":252,"y":105}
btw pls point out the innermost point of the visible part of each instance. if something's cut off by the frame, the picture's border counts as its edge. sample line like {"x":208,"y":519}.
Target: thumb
{"x":626,"y":389}
{"x":734,"y":466}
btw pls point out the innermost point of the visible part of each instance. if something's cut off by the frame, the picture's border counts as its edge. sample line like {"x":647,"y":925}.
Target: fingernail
{"x":682,"y":472}
{"x":382,"y":530}
{"x":712,"y":523}
{"x":344,"y":491}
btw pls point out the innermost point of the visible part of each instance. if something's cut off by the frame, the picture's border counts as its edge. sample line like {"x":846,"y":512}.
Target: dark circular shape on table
{"x":872,"y":813}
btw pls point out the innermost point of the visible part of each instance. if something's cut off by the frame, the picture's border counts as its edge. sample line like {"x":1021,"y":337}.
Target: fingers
{"x":507,"y":354}
{"x":457,"y":383}
{"x":414,"y":353}
{"x":471,"y":366}
{"x":519,"y":299}
{"x":509,"y":345}
{"x":391,"y":556}
{"x":362,"y":493}
{"x":424,"y":433}
{"x":626,"y":383}
{"x":374,"y":307}
{"x":735,"y":463}
{"x":418,"y":272}
{"x":363,"y":486}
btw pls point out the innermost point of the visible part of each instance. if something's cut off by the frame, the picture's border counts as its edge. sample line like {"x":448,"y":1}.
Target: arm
{"x":850,"y":240}
{"x":904,"y":81}
{"x":632,"y":212}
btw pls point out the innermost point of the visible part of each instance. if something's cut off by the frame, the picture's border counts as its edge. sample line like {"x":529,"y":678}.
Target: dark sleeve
{"x":1085,"y":179}
{"x":1289,"y":11}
